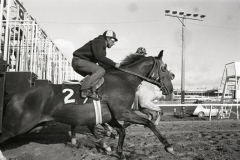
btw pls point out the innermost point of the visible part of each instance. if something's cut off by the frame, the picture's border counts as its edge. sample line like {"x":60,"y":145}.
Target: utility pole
{"x":182,"y":18}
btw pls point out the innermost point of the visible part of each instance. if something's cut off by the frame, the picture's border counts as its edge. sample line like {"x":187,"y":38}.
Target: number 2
{"x":67,"y":98}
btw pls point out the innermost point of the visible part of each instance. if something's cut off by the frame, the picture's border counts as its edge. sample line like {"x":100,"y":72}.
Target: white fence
{"x":222,"y":108}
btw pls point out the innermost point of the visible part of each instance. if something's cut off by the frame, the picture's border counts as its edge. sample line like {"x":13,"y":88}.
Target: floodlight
{"x":174,"y":12}
{"x":181,"y":13}
{"x":188,"y":14}
{"x":167,"y":11}
{"x":202,"y":16}
{"x":195,"y":15}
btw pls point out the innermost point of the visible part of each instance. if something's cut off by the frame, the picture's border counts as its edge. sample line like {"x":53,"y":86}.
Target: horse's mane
{"x":129,"y":59}
{"x":134,"y":57}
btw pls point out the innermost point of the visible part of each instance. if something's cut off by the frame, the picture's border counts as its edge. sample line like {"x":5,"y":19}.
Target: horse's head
{"x":153,"y":68}
{"x":162,"y":75}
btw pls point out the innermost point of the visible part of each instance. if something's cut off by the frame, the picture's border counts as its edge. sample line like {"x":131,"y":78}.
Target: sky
{"x":209,"y":44}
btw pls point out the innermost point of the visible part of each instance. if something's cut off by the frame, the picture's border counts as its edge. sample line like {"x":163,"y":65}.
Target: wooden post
{"x":3,"y":67}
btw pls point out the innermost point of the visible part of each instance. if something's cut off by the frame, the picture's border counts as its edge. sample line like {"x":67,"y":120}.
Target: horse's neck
{"x":131,"y":79}
{"x":142,"y":68}
{"x":134,"y":81}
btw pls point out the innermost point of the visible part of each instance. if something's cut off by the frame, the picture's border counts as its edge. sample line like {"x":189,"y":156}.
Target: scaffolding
{"x":27,"y":48}
{"x":230,"y":80}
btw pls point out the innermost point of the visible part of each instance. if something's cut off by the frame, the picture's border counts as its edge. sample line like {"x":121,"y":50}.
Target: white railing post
{"x":210,"y":115}
{"x":237,"y":110}
{"x":7,"y":31}
{"x":1,"y":16}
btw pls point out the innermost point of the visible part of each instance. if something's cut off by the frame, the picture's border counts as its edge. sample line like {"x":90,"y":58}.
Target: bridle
{"x":151,"y":76}
{"x":159,"y":72}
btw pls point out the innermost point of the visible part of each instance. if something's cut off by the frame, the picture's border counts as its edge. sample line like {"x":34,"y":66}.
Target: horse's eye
{"x":172,"y":76}
{"x":164,"y":68}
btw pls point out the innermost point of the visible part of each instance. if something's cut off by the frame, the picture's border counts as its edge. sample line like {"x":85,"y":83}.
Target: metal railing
{"x":27,"y":48}
{"x":220,"y":106}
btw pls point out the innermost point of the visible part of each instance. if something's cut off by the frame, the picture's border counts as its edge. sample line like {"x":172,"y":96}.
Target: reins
{"x":143,"y":77}
{"x":138,"y":75}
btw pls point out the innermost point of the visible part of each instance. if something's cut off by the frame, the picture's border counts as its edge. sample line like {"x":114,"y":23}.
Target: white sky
{"x":210,"y":44}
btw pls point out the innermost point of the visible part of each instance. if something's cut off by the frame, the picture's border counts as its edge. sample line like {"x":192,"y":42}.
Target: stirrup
{"x":94,"y":98}
{"x":85,"y":100}
{"x":89,"y":94}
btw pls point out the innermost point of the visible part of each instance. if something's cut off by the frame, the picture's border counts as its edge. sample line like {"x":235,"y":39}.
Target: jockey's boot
{"x":89,"y":94}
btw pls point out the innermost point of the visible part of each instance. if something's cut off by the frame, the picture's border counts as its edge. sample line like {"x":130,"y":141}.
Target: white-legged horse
{"x":144,"y":100}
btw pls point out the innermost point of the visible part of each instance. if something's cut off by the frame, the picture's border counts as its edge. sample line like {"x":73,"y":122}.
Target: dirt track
{"x":197,"y":140}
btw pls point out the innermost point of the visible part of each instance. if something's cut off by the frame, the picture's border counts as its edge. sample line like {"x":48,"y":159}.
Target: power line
{"x":135,"y":48}
{"x":148,"y":47}
{"x":103,"y":22}
{"x":214,"y":26}
{"x":147,"y":21}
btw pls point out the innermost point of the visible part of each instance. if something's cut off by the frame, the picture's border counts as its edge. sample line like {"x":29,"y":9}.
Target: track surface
{"x":197,"y":140}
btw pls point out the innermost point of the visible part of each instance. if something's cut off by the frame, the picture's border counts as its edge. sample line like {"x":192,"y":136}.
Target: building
{"x":200,"y":95}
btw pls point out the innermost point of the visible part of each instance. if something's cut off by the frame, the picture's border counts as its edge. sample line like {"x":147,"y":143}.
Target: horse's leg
{"x":107,"y":129}
{"x":73,"y":135}
{"x":126,"y":124}
{"x":156,"y":122}
{"x":135,"y":118}
{"x":99,"y":138}
{"x":146,"y":112}
{"x":142,"y":110}
{"x":121,"y":132}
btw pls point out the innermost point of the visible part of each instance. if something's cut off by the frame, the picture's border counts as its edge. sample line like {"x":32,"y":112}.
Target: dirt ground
{"x":192,"y":140}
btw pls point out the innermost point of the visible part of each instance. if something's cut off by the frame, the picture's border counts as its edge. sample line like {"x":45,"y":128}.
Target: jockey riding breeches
{"x":84,"y":67}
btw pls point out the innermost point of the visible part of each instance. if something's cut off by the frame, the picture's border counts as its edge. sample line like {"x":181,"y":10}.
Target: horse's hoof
{"x":170,"y":150}
{"x":74,"y":141}
{"x":103,"y":145}
{"x":108,"y":133}
{"x":2,"y":157}
{"x":107,"y":148}
{"x":122,"y":156}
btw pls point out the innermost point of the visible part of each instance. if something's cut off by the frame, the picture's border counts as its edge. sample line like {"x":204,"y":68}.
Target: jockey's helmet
{"x":141,"y":50}
{"x":110,"y":34}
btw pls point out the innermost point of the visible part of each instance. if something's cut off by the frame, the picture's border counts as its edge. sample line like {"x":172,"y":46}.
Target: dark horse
{"x":27,"y":109}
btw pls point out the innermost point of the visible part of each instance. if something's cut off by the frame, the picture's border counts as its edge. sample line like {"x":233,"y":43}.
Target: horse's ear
{"x":160,"y":54}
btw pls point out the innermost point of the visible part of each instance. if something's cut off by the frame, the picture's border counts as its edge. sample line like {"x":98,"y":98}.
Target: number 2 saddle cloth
{"x":71,"y":98}
{"x":71,"y":93}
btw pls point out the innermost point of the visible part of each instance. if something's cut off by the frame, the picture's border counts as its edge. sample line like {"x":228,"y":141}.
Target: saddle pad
{"x":71,"y":96}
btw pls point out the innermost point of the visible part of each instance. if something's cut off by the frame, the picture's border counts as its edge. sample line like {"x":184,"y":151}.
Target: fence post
{"x":237,"y":109}
{"x":210,"y":115}
{"x":174,"y":111}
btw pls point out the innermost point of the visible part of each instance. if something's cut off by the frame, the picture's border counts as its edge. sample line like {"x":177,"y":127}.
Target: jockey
{"x":141,"y":51}
{"x":85,"y":59}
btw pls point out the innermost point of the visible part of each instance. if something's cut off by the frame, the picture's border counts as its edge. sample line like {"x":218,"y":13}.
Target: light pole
{"x":182,"y":18}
